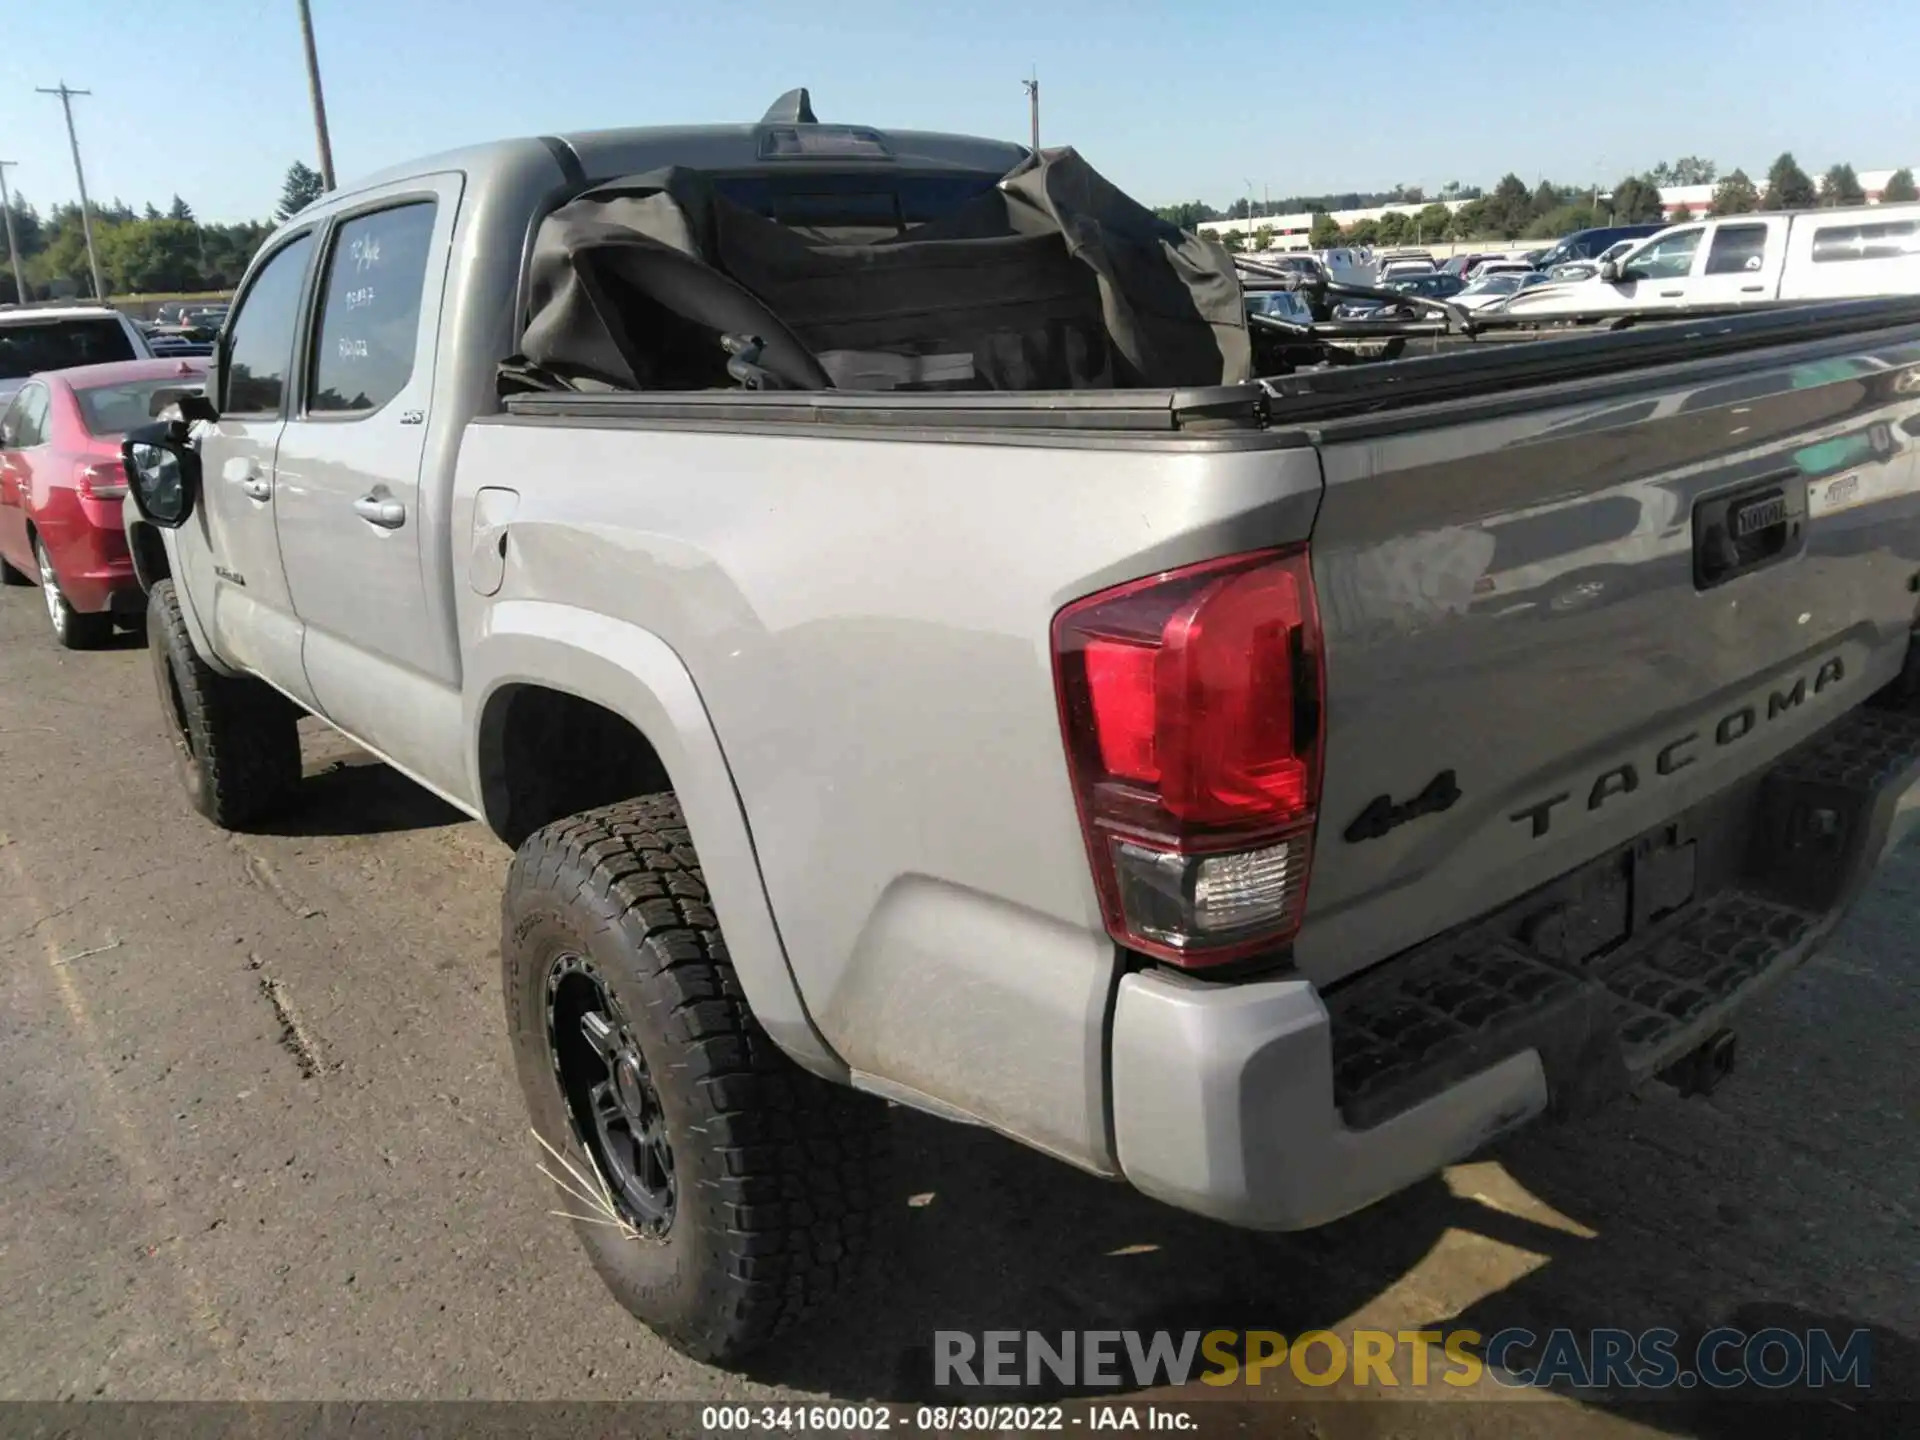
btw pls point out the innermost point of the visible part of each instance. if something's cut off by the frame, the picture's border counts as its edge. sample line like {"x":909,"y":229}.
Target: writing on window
{"x":370,"y":310}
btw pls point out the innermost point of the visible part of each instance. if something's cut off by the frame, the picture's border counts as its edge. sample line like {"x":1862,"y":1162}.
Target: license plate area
{"x":1737,"y":532}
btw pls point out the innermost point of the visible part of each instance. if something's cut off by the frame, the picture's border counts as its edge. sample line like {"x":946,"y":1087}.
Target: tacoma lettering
{"x":1734,"y":726}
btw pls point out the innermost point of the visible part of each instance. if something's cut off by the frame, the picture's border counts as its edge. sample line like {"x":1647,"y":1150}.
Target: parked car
{"x":1588,"y":244}
{"x":1753,"y":260}
{"x":60,"y":338}
{"x":1124,"y":781}
{"x":1405,"y":266}
{"x":1436,"y":285}
{"x":1462,"y":266}
{"x":1493,"y":291}
{"x":61,"y":486}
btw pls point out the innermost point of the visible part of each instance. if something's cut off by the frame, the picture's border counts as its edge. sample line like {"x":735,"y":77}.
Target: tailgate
{"x":1551,"y":629}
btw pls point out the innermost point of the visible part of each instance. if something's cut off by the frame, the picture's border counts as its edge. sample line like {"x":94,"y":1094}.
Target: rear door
{"x":240,"y":590}
{"x":1528,"y":604}
{"x":350,"y":511}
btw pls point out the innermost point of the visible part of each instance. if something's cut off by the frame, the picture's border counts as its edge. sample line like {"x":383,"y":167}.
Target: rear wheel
{"x":236,"y":740}
{"x":721,"y":1191}
{"x":71,"y":628}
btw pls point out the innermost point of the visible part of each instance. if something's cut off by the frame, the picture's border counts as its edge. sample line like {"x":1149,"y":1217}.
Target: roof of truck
{"x":787,"y":135}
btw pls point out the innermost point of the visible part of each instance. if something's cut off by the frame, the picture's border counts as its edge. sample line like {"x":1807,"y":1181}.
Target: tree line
{"x":1515,"y":211}
{"x":149,"y":251}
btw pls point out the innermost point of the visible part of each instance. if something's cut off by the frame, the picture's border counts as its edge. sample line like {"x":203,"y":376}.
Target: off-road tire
{"x":236,"y":740}
{"x":778,"y":1174}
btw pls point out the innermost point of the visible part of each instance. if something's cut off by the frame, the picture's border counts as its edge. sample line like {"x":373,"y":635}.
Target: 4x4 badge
{"x":1382,"y":815}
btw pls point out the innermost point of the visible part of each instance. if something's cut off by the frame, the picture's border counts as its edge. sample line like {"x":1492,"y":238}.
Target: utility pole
{"x":1033,"y":105}
{"x":13,"y":246}
{"x":80,"y":177}
{"x":319,"y":101}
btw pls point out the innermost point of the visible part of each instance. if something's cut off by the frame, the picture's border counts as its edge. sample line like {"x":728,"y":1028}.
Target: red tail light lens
{"x":1191,"y":707}
{"x":101,"y":480}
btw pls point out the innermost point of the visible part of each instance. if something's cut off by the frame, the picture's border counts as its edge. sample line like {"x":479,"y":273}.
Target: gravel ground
{"x":259,"y":1138}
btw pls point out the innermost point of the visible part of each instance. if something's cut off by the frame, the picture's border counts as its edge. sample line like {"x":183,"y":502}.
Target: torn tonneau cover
{"x":1051,"y":280}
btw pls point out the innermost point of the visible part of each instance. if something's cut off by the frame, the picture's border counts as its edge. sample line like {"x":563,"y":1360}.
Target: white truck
{"x":1802,"y":255}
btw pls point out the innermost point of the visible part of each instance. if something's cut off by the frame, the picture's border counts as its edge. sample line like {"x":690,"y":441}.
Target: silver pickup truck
{"x":1263,"y":789}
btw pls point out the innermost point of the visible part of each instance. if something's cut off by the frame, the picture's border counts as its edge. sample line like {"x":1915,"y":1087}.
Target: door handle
{"x":387,"y":514}
{"x":256,"y":487}
{"x":1752,"y":289}
{"x":1671,"y":294}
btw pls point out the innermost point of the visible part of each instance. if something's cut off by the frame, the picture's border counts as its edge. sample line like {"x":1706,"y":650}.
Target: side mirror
{"x":1610,"y":271}
{"x":163,"y":472}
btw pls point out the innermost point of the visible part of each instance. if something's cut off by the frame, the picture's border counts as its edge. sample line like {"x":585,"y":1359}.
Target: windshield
{"x":108,"y":410}
{"x":1501,"y":284}
{"x":27,"y":347}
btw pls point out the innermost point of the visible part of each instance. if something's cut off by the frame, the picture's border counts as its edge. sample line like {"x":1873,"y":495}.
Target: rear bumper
{"x":1272,"y":1106}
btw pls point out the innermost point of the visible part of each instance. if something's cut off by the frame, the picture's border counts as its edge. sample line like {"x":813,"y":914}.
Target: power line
{"x":80,"y":176}
{"x":319,"y":100}
{"x":13,"y":246}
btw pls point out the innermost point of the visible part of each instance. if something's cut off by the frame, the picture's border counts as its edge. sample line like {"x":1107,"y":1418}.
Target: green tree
{"x":1262,"y":237}
{"x":1545,"y":200}
{"x":179,"y":210}
{"x":1636,"y":202}
{"x":1899,"y":187}
{"x":1363,"y":232}
{"x":153,"y":255}
{"x":1394,"y":228}
{"x":1682,"y":213}
{"x":1840,"y":186}
{"x":1432,"y":222}
{"x":1687,"y":170}
{"x":1563,"y":221}
{"x":1736,"y":195}
{"x":1325,"y":233}
{"x":1235,"y":241}
{"x":1469,"y":221}
{"x":303,"y":187}
{"x":1788,"y":187}
{"x":1509,"y":209}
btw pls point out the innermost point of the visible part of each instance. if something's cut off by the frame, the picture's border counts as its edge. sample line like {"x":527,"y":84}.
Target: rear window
{"x":28,"y":347}
{"x":1888,"y":240}
{"x":854,"y":200}
{"x":115,"y":409}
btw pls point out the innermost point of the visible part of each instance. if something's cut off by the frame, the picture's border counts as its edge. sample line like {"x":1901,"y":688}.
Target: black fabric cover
{"x":1054,"y":280}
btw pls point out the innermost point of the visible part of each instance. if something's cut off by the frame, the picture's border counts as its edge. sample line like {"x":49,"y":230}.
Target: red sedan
{"x":61,"y":484}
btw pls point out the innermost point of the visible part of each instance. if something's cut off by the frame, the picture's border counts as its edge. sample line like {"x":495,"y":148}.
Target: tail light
{"x":1191,"y":705}
{"x":101,"y":480}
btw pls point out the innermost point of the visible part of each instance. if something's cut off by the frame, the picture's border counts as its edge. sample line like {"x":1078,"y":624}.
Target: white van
{"x":1751,"y":259}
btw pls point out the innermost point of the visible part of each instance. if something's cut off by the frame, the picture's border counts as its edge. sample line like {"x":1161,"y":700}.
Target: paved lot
{"x":199,"y":1199}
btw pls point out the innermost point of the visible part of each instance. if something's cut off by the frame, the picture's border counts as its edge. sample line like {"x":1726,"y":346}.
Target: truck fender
{"x":636,"y":675}
{"x":178,"y":571}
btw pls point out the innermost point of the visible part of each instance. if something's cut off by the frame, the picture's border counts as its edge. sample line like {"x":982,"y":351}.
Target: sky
{"x":1171,"y":99}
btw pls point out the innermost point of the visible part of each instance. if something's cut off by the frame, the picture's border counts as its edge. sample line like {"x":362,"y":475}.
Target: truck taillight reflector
{"x":1191,"y":707}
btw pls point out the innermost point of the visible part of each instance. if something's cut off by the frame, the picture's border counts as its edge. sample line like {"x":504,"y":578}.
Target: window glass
{"x":26,"y":418}
{"x":28,"y":347}
{"x":1667,"y":259}
{"x":108,"y":410}
{"x":260,"y":334}
{"x":1737,"y":249}
{"x":1884,"y":240}
{"x":370,"y":310}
